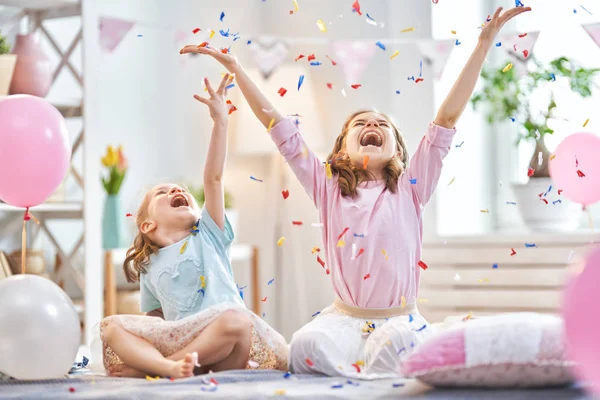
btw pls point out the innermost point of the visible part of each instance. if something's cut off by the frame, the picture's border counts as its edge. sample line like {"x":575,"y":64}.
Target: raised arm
{"x":285,"y":134}
{"x":423,"y":173}
{"x":214,"y":196}
{"x":461,"y":92}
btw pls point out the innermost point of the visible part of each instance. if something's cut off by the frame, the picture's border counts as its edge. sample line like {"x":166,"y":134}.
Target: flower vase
{"x":33,"y":70}
{"x":113,"y":224}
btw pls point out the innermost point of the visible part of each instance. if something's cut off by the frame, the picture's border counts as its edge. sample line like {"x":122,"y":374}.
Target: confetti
{"x":338,"y":386}
{"x":530,"y":171}
{"x":556,"y":202}
{"x":183,"y":247}
{"x":355,"y":86}
{"x":367,"y":276}
{"x":580,"y":174}
{"x":129,"y":215}
{"x":396,"y":385}
{"x":498,"y":44}
{"x":453,"y":32}
{"x":544,"y":200}
{"x":468,"y":316}
{"x":202,"y":282}
{"x":495,"y":266}
{"x":300,"y":81}
{"x":285,"y":194}
{"x":212,"y":33}
{"x":232,"y":108}
{"x":362,"y":235}
{"x":486,"y":211}
{"x":230,"y":86}
{"x":296,"y":222}
{"x":270,"y":125}
{"x":508,"y":67}
{"x":280,"y":241}
{"x":525,"y":53}
{"x":341,"y":243}
{"x":586,"y":10}
{"x":320,"y":261}
{"x":365,"y":161}
{"x":321,"y":26}
{"x":394,"y":55}
{"x":410,"y":318}
{"x":512,"y":251}
{"x":457,"y":43}
{"x":315,"y":250}
{"x":72,"y":389}
{"x":280,"y":392}
{"x":459,"y":145}
{"x":315,"y":314}
{"x":356,"y":7}
{"x":271,"y":281}
{"x":380,"y":45}
{"x":311,"y":57}
{"x":402,"y":301}
{"x":385,"y":254}
{"x":295,"y":6}
{"x":282,"y":91}
{"x":222,"y":16}
{"x":530,"y":245}
{"x":412,"y":29}
{"x":357,"y":367}
{"x":316,"y":63}
{"x":299,"y":57}
{"x":586,"y":122}
{"x":419,"y":80}
{"x":452,"y":181}
{"x":196,"y":30}
{"x":264,"y":299}
{"x":330,"y":85}
{"x":560,"y":191}
{"x":423,"y":265}
{"x":309,"y":362}
{"x":287,"y":375}
{"x":413,"y":181}
{"x":255,"y":179}
{"x":421,"y":328}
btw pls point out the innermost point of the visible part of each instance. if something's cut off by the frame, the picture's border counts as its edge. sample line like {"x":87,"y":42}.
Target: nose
{"x":372,"y":123}
{"x":176,"y":189}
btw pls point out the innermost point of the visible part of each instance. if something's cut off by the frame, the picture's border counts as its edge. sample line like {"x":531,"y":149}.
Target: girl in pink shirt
{"x":370,"y":202}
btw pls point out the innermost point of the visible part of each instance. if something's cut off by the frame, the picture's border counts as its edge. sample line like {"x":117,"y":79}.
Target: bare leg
{"x":142,"y":356}
{"x":125,"y":371}
{"x":222,"y":345}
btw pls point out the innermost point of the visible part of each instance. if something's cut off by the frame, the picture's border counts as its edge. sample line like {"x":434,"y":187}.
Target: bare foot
{"x":125,"y":371}
{"x":183,"y":368}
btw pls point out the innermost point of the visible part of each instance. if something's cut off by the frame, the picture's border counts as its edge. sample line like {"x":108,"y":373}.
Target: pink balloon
{"x":34,"y":150}
{"x":578,"y":154}
{"x":582,"y":324}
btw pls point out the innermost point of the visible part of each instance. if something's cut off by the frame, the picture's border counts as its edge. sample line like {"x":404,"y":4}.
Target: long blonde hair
{"x":350,"y":175}
{"x":138,"y":255}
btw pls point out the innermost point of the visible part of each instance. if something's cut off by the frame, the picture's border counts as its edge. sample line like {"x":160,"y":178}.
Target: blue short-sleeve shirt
{"x":192,"y":274}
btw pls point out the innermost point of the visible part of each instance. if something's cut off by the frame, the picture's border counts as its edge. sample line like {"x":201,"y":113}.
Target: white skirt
{"x":338,"y":344}
{"x":269,"y":349}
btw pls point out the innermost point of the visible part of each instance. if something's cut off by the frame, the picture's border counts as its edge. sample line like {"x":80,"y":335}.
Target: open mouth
{"x":371,"y":138}
{"x":179,"y":200}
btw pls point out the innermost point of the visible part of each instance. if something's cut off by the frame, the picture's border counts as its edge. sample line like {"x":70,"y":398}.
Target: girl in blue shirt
{"x":195,"y":318}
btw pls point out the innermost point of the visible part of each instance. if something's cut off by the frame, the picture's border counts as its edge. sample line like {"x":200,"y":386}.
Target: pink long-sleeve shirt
{"x":386,"y":227}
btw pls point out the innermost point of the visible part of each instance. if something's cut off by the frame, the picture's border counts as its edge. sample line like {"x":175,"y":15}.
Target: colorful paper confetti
{"x":380,"y":45}
{"x":196,"y":30}
{"x":394,"y":55}
{"x":280,"y":241}
{"x":355,"y":86}
{"x":255,"y":179}
{"x":512,"y":251}
{"x":270,"y":125}
{"x":586,"y":122}
{"x":508,"y":67}
{"x":356,"y":7}
{"x":423,"y":265}
{"x":282,"y":91}
{"x":367,"y":276}
{"x":285,"y":194}
{"x":300,"y":81}
{"x":321,"y":26}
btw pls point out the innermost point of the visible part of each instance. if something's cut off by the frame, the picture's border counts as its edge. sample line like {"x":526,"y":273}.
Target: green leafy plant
{"x":4,"y":46}
{"x":198,"y":194}
{"x":505,"y":95}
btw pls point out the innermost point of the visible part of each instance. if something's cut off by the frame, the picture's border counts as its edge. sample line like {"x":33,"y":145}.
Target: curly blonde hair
{"x":350,"y":175}
{"x":138,"y":255}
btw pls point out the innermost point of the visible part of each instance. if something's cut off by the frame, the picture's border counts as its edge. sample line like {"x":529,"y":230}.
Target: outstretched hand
{"x":216,"y":102}
{"x":226,"y":59}
{"x":495,"y":24}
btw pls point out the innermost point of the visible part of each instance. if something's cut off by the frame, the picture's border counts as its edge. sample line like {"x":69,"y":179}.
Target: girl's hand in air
{"x":216,"y":102}
{"x":226,"y":59}
{"x":495,"y":24}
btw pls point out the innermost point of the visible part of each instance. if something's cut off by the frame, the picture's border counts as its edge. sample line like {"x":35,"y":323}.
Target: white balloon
{"x":39,"y":328}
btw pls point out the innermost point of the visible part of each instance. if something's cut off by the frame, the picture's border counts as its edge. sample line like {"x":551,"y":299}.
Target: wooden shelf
{"x":39,"y":4}
{"x":50,"y":210}
{"x":68,"y":109}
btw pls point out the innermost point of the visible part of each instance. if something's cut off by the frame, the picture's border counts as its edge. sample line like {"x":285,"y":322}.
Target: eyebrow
{"x":165,"y":188}
{"x":379,"y":121}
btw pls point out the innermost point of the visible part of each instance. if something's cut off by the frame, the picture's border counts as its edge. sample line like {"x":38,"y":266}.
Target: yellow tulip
{"x":111,"y":158}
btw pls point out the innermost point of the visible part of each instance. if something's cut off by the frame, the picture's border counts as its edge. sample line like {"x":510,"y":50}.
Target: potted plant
{"x":198,"y":194}
{"x":7,"y":65}
{"x":113,"y":221}
{"x":506,"y":96}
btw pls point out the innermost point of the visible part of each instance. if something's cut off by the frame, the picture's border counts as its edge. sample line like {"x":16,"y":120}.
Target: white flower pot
{"x":7,"y":66}
{"x":539,"y":216}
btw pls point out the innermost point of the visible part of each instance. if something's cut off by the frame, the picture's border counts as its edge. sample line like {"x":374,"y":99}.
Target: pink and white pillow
{"x":509,"y":350}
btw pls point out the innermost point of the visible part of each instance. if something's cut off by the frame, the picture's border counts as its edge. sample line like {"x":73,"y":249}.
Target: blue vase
{"x":113,"y":224}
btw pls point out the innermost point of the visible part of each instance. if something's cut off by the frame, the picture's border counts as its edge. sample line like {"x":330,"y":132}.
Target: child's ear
{"x":147,"y":227}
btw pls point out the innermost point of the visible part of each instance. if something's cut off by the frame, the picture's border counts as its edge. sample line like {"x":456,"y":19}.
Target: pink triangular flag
{"x":354,"y":58}
{"x":112,"y":31}
{"x":269,"y":54}
{"x":435,"y":54}
{"x":594,"y":31}
{"x":519,"y":45}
